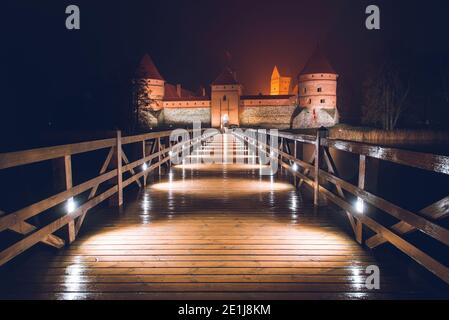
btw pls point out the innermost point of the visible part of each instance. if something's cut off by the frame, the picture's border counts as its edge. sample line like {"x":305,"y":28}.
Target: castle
{"x":310,"y":102}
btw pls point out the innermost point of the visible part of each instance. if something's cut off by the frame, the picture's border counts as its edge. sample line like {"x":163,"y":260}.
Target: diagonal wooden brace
{"x":25,"y":228}
{"x":92,"y":193}
{"x":332,"y":168}
{"x":437,"y":211}
{"x":125,"y":158}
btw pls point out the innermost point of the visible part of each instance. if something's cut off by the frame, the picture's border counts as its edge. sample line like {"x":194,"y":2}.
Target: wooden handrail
{"x":14,"y":159}
{"x":421,"y":160}
{"x":423,"y":221}
{"x":15,"y":221}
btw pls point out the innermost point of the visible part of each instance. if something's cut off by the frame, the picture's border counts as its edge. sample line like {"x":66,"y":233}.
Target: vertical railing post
{"x":170,"y":146}
{"x":316,"y":185}
{"x":159,"y":157}
{"x":68,"y":185}
{"x":280,"y":158}
{"x":257,"y":147}
{"x":360,"y":202}
{"x":321,"y":133}
{"x":62,"y":170}
{"x":118,"y":161}
{"x":143,"y":157}
{"x":295,"y":154}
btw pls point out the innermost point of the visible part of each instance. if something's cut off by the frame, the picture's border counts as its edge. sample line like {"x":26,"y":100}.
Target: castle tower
{"x":280,"y":85}
{"x":225,"y":99}
{"x":148,"y":72}
{"x":317,"y":87}
{"x":149,"y":90}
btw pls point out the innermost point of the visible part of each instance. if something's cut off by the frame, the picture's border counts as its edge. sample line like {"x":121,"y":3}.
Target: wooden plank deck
{"x":217,"y":231}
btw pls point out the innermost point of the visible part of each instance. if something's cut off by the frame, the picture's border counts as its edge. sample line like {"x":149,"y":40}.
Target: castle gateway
{"x":310,"y":101}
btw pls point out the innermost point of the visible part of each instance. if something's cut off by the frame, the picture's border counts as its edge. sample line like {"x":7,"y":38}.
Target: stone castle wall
{"x":148,"y":119}
{"x":185,"y":116}
{"x":267,"y":116}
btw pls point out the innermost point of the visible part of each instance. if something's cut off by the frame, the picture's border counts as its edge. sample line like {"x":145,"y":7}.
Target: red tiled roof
{"x":226,"y":77}
{"x":171,"y":94}
{"x":186,"y":93}
{"x":317,"y":63}
{"x":170,"y":91}
{"x":147,"y":69}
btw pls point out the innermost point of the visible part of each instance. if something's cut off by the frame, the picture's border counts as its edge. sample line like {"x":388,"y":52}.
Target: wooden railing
{"x":156,"y":150}
{"x":320,"y":171}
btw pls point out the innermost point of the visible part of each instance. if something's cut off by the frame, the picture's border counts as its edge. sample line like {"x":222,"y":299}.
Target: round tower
{"x":317,"y":92}
{"x":152,"y":81}
{"x":149,"y":91}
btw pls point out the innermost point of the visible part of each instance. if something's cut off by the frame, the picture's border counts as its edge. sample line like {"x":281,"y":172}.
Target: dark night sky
{"x":51,"y":74}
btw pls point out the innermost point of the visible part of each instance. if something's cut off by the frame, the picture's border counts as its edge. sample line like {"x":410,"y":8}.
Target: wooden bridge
{"x":216,"y":226}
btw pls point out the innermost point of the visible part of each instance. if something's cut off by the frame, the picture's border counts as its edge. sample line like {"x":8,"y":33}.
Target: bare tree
{"x":385,"y":95}
{"x":142,"y":100}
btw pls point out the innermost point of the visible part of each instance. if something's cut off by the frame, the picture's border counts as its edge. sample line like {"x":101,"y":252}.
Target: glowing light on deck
{"x":357,"y":277}
{"x":218,"y":167}
{"x":219,"y":187}
{"x":74,"y":273}
{"x":146,"y":207}
{"x":144,"y":166}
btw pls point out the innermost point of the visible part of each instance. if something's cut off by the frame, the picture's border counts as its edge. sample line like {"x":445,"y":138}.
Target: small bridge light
{"x":71,"y":205}
{"x":170,"y":153}
{"x":144,"y":166}
{"x":295,"y":167}
{"x":359,"y":205}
